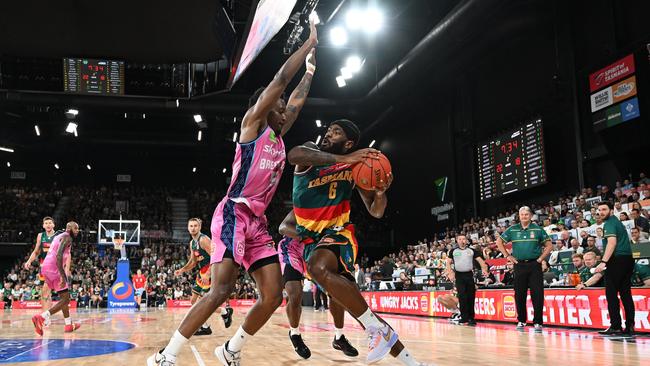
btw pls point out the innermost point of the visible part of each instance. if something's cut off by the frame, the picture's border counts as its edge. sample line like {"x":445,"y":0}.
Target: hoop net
{"x":118,"y":243}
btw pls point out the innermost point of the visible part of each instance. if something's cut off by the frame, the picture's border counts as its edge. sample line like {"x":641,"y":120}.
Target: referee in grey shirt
{"x":463,"y":258}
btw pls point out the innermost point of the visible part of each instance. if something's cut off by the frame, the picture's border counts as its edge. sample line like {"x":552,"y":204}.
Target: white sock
{"x":339,"y":334}
{"x":294,"y":331}
{"x":46,"y":315}
{"x":237,"y":341}
{"x":68,"y":321}
{"x":406,"y":358}
{"x":175,"y":343}
{"x":368,"y":318}
{"x":224,"y":311}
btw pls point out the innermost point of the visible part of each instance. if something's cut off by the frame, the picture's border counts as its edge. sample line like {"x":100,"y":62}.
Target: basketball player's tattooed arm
{"x":256,"y":115}
{"x":288,"y":226}
{"x":304,"y":156}
{"x":65,"y":242}
{"x":299,"y":95}
{"x":35,"y":253}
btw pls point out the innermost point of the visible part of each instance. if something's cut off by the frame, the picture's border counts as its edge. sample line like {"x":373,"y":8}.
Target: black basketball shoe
{"x":301,"y":348}
{"x":344,"y":346}
{"x":227,"y":318}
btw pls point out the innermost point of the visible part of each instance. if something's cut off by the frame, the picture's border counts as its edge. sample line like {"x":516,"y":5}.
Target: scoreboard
{"x":92,"y":76}
{"x":513,"y":162}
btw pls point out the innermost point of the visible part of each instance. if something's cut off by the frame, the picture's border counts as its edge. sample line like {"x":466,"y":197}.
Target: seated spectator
{"x":550,"y":274}
{"x":640,"y":222}
{"x":407,"y":283}
{"x":588,"y":279}
{"x":591,"y":246}
{"x":623,"y":216}
{"x":641,"y":275}
{"x":575,"y":246}
{"x":635,"y":237}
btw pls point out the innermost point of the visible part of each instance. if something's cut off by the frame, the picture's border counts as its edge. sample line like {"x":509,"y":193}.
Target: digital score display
{"x":513,"y":162}
{"x":91,"y":76}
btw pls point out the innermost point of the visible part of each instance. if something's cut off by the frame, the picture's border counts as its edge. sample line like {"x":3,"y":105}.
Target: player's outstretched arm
{"x":35,"y":252}
{"x":299,"y":95}
{"x":191,"y":263}
{"x":288,"y":226}
{"x":307,"y":156}
{"x":256,"y":115}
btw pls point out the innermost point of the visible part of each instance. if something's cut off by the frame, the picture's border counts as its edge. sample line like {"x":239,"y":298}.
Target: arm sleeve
{"x":505,"y":236}
{"x":609,"y":229}
{"x":544,"y":237}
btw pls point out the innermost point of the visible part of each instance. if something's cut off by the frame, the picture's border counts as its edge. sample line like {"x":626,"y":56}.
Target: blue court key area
{"x":29,"y":350}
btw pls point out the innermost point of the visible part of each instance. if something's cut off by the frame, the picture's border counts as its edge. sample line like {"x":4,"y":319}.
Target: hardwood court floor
{"x":431,"y":340}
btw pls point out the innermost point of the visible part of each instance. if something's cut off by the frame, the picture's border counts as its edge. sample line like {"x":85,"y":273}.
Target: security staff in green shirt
{"x":620,"y":265}
{"x":530,"y":245}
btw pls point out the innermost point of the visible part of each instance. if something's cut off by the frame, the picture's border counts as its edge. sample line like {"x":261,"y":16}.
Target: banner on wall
{"x":611,"y":73}
{"x":37,"y":304}
{"x":562,"y":307}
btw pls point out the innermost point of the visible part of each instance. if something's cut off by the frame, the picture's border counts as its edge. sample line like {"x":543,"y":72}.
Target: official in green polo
{"x":618,"y":260}
{"x":530,"y":245}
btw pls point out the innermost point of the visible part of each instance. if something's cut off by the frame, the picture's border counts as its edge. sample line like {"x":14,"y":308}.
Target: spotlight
{"x":88,"y":167}
{"x":198,"y":118}
{"x":318,"y":140}
{"x":319,"y":123}
{"x":144,"y":115}
{"x":125,"y":115}
{"x":75,"y":133}
{"x":340,"y":81}
{"x":346,"y":73}
{"x":373,"y":21}
{"x":353,"y":63}
{"x":198,"y":137}
{"x":72,"y":127}
{"x":354,"y":19}
{"x":8,"y":165}
{"x":194,"y":170}
{"x":234,"y":137}
{"x":2,"y":148}
{"x":178,"y":103}
{"x":73,"y":112}
{"x":338,"y":36}
{"x":372,"y":143}
{"x":224,"y":170}
{"x":56,"y":166}
{"x":38,"y":131}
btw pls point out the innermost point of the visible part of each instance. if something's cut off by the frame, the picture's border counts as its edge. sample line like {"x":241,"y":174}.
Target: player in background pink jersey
{"x":57,"y":278}
{"x":239,"y":229}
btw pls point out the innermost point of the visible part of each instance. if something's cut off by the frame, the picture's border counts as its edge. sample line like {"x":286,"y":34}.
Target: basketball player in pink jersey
{"x":239,"y":228}
{"x":57,"y":278}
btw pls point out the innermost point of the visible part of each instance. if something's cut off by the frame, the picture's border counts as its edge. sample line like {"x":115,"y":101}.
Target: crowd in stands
{"x":22,"y":210}
{"x":94,"y":269}
{"x":572,"y":223}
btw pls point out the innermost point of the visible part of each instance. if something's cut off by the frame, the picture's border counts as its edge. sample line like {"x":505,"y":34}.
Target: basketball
{"x":370,"y":172}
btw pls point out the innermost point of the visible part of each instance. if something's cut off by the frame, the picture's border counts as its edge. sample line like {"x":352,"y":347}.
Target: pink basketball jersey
{"x":256,"y":171}
{"x":50,"y":259}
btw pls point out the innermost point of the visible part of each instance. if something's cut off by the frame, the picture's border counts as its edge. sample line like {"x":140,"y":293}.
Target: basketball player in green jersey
{"x":322,"y":189}
{"x":200,"y":250}
{"x":43,"y":242}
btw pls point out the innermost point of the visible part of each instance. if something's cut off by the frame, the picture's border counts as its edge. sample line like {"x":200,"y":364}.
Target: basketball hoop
{"x":118,"y":243}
